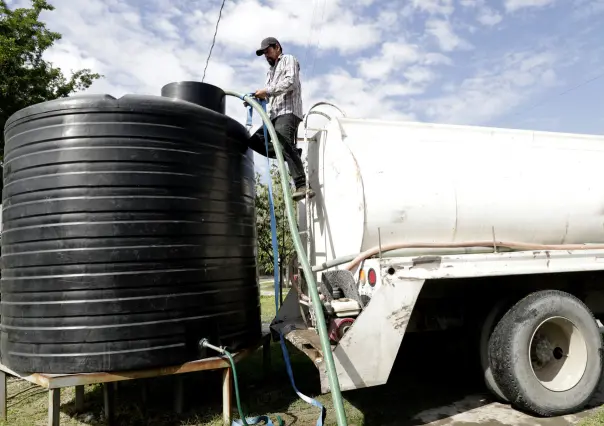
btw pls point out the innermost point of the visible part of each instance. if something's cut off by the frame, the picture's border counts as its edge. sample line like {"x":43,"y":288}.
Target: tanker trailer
{"x":421,"y":227}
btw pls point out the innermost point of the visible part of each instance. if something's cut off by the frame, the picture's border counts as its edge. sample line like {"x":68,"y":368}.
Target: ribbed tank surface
{"x":129,"y":235}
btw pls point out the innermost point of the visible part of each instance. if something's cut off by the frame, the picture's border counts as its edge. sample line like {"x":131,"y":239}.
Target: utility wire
{"x":310,"y":34}
{"x":316,"y":49}
{"x":573,"y":88}
{"x":213,"y":41}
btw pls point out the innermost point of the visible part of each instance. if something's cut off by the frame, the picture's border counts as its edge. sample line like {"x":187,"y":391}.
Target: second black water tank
{"x":129,"y":235}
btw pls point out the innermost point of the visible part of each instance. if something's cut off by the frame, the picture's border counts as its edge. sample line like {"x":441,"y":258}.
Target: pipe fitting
{"x":205,"y":343}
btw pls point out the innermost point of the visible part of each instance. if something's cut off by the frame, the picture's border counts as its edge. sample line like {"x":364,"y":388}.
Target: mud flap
{"x":365,"y":355}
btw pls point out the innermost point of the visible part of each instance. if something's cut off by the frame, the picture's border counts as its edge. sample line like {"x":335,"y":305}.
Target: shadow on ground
{"x":437,"y":381}
{"x":431,"y":371}
{"x":152,"y":401}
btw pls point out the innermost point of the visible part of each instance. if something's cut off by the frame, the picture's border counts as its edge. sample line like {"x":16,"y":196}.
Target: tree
{"x":26,"y":78}
{"x":263,"y":225}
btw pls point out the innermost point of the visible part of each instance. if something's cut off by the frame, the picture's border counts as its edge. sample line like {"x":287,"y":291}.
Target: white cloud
{"x":358,"y":98}
{"x":445,"y":36}
{"x":471,"y":3}
{"x":443,"y":7}
{"x":291,"y":21}
{"x":489,"y":17}
{"x":419,"y":75}
{"x":404,"y":68}
{"x":387,"y":18}
{"x":514,"y":5}
{"x":437,"y":59}
{"x":485,"y":15}
{"x":392,"y":55}
{"x":494,"y":92}
{"x":587,"y":8}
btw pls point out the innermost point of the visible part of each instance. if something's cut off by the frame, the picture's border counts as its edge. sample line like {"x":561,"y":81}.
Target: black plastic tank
{"x":129,"y":234}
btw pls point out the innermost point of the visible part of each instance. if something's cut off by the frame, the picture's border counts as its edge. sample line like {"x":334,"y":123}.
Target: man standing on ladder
{"x":283,"y":92}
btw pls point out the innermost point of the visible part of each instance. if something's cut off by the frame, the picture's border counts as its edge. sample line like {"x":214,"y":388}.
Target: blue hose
{"x":286,"y":358}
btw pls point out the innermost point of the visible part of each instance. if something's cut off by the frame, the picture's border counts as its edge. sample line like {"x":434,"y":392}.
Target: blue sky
{"x":504,"y":63}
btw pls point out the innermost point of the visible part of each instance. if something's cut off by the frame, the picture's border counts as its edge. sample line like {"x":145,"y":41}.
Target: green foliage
{"x":263,"y":224}
{"x":25,"y":77}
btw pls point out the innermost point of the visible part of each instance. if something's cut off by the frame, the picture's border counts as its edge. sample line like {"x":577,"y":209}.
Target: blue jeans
{"x":286,"y":127}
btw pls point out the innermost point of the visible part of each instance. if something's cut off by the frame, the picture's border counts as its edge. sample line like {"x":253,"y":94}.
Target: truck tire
{"x":486,"y":330}
{"x":546,"y":354}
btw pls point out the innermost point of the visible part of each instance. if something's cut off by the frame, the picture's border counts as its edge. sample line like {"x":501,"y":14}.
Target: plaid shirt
{"x":283,"y":87}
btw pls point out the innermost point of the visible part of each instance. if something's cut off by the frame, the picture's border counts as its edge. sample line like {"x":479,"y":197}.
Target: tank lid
{"x":203,"y":94}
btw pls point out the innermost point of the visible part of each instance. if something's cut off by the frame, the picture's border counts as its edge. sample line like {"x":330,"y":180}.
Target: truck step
{"x":307,"y":341}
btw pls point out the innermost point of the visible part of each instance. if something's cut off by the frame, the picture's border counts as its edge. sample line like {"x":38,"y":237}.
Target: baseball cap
{"x":266,"y":43}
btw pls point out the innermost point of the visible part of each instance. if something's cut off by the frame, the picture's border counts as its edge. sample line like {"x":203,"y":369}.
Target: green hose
{"x":204,"y":343}
{"x":236,"y":386}
{"x":312,"y":285}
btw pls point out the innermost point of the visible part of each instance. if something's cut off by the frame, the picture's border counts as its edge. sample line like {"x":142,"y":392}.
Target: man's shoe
{"x":301,"y":192}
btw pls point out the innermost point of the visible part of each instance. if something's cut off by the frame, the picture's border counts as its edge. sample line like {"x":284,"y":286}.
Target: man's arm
{"x":287,"y":80}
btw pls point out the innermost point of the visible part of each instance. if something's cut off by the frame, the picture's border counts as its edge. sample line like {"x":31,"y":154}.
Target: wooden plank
{"x":54,"y":407}
{"x":227,"y":396}
{"x":3,"y":396}
{"x":79,"y":398}
{"x":179,"y":394}
{"x":56,"y":381}
{"x":144,"y":393}
{"x":36,"y":379}
{"x":109,"y":400}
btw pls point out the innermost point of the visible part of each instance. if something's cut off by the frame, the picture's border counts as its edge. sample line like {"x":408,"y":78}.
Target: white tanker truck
{"x":419,"y":227}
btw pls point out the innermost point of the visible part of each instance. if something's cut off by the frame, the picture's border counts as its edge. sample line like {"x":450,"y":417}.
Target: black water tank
{"x":129,"y":234}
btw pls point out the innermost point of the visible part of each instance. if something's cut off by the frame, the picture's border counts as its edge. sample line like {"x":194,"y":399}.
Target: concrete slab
{"x":471,"y":411}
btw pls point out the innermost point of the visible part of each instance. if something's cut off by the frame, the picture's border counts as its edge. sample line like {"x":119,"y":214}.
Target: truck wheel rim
{"x":558,"y":354}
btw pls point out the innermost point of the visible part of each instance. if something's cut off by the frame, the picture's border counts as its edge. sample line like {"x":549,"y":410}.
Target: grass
{"x":267,"y":309}
{"x":596,"y":419}
{"x":267,"y":286}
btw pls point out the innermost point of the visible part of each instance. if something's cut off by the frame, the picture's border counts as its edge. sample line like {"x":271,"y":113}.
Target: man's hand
{"x":261,"y":94}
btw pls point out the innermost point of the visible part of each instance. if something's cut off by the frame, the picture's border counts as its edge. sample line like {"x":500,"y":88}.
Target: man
{"x":283,"y":92}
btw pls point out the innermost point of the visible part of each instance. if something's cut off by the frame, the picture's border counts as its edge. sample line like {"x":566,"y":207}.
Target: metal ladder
{"x":309,"y":231}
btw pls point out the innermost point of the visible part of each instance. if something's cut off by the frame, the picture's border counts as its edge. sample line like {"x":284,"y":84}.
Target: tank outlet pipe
{"x":204,"y":343}
{"x":314,"y":293}
{"x":334,"y":262}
